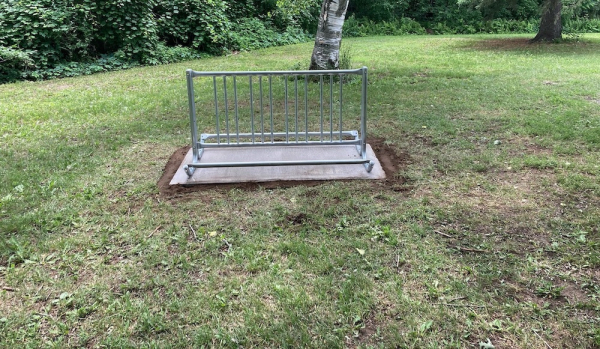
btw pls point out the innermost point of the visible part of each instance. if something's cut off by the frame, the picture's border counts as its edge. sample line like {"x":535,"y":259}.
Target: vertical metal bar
{"x":321,"y":96}
{"x":271,"y":105}
{"x":331,"y":107}
{"x":217,"y":110}
{"x":306,"y":108}
{"x":226,"y":107}
{"x":363,"y":116}
{"x":192,"y":103}
{"x":296,"y":105}
{"x":237,"y":125}
{"x":251,"y":109}
{"x":262,"y":116}
{"x":285,"y":98}
{"x":341,"y":94}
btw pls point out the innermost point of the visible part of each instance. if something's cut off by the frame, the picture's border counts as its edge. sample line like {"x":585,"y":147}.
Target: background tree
{"x":552,"y":13}
{"x":551,"y":22}
{"x":328,"y":40}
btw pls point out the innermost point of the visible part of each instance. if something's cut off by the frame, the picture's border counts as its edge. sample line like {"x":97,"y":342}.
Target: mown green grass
{"x":495,"y":235}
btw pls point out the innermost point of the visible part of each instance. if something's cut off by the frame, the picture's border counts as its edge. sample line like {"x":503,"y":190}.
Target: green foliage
{"x":385,"y":10}
{"x":69,"y":69}
{"x":127,"y":26}
{"x":251,"y":34}
{"x":41,"y":39}
{"x":201,"y":24}
{"x":44,"y":38}
{"x":13,"y":63}
{"x":365,"y":27}
{"x":581,"y":25}
{"x":346,"y":57}
{"x":356,"y":27}
{"x":304,"y":13}
{"x":463,"y":16}
{"x":51,"y":30}
{"x":505,"y":26}
{"x":165,"y":54}
{"x":71,"y":30}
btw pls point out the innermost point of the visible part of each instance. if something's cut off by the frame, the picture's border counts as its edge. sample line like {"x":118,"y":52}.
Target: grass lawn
{"x":493,"y":239}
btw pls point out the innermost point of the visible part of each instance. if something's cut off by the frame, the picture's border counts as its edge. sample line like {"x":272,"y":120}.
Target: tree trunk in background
{"x":551,"y":24}
{"x":329,"y":35}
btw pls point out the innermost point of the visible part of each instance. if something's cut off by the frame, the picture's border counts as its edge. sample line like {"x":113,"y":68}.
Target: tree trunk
{"x":329,"y":35}
{"x":551,"y":24}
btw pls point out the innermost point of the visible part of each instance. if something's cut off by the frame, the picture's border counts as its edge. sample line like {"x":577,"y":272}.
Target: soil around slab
{"x":391,"y":159}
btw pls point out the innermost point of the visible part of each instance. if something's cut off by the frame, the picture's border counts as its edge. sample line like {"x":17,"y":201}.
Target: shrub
{"x":251,"y":34}
{"x":127,"y":26}
{"x":46,"y":28}
{"x":582,"y":25}
{"x":365,"y":27}
{"x":200,"y":24}
{"x":69,"y":69}
{"x":13,"y":63}
{"x":165,"y":55}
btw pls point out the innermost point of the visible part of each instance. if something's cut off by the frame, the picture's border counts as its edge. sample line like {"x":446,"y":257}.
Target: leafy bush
{"x":69,"y":69}
{"x":13,"y":63}
{"x":127,"y":26}
{"x":378,"y":11}
{"x":505,"y":26}
{"x":581,"y":25}
{"x":165,"y":55}
{"x":251,"y":34}
{"x":46,"y":28}
{"x":296,"y":13}
{"x":364,"y":27}
{"x":55,"y":38}
{"x":200,"y":24}
{"x":77,"y":30}
{"x":367,"y":27}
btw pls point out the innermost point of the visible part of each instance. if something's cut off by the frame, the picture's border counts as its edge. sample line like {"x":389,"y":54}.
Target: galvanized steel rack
{"x":254,"y":116}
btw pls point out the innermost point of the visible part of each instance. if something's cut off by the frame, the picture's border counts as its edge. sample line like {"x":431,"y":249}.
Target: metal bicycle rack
{"x":247,"y":112}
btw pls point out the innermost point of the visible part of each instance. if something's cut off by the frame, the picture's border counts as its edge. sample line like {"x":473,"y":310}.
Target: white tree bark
{"x":329,"y":35}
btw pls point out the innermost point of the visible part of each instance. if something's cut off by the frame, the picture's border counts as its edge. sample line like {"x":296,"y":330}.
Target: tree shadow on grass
{"x":524,"y":46}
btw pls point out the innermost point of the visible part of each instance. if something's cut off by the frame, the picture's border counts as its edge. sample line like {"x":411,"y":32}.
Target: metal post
{"x":226,"y":107}
{"x":192,"y":103}
{"x":296,"y":105}
{"x":363,"y":116}
{"x":262,"y":116}
{"x":285,"y":100}
{"x":331,"y":108}
{"x":271,"y":106}
{"x":306,"y":108}
{"x":341,"y":94}
{"x":237,"y":125}
{"x":251,"y":109}
{"x":217,"y":110}
{"x":321,"y":96}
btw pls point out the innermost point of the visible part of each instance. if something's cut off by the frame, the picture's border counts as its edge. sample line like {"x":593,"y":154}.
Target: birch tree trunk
{"x":329,"y":35}
{"x":551,"y":23}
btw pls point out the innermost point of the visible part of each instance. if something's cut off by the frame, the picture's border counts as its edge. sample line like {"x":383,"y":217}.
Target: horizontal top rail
{"x":194,"y":73}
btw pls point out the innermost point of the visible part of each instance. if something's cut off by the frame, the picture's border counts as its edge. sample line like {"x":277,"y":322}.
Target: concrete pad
{"x":278,"y":173}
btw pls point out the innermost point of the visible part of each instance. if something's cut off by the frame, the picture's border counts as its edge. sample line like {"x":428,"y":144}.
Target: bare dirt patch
{"x":528,"y":146}
{"x":501,"y":44}
{"x":391,"y":159}
{"x":594,"y":100}
{"x":59,"y":87}
{"x":501,"y":214}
